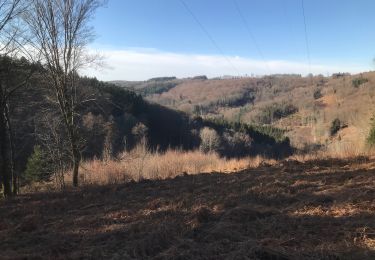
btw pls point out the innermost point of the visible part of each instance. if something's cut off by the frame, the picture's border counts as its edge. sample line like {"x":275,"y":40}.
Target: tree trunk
{"x":76,"y":162}
{"x":13,"y":172}
{"x":76,"y":153}
{"x":5,"y":167}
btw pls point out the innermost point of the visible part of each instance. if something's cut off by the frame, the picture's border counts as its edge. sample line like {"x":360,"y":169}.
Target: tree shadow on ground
{"x":292,"y":210}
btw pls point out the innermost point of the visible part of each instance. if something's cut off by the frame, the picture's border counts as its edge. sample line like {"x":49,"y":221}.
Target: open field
{"x":290,"y":210}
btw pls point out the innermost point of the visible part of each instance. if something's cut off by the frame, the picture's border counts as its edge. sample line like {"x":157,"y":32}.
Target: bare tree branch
{"x":61,"y":33}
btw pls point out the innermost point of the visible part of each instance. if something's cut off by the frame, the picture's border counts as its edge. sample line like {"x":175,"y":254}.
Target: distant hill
{"x":305,"y":106}
{"x":112,"y":119}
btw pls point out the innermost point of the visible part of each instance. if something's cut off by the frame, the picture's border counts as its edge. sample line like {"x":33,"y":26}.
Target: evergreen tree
{"x":36,"y":168}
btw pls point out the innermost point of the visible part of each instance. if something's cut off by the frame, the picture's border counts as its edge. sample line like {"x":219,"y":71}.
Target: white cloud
{"x":142,"y":64}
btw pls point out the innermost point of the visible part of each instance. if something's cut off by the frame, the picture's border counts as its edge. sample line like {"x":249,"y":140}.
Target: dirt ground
{"x":292,"y":210}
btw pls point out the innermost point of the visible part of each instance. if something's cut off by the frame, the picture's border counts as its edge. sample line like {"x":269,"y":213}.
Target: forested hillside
{"x":272,"y":167}
{"x":306,"y":107}
{"x":112,"y":120}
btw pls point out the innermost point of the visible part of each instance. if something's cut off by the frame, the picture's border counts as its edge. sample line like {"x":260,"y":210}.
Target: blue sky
{"x":147,"y":38}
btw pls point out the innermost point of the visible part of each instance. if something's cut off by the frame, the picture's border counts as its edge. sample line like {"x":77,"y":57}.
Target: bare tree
{"x":11,"y":45}
{"x":53,"y":141}
{"x":61,"y":33}
{"x":210,"y":140}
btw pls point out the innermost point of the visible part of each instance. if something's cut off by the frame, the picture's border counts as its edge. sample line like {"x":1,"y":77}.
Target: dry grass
{"x":140,"y":164}
{"x":292,"y":210}
{"x":336,"y":150}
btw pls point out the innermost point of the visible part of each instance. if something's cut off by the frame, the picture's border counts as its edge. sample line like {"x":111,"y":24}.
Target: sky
{"x":141,"y":39}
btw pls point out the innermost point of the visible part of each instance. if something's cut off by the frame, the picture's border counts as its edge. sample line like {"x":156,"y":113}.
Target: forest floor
{"x":292,"y":210}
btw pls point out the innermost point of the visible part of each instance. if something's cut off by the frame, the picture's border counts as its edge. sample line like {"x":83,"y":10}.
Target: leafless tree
{"x":49,"y":130}
{"x":210,"y":140}
{"x":11,"y":44}
{"x":60,"y":31}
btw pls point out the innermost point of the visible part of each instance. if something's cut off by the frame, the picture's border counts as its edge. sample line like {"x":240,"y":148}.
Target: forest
{"x":53,"y":118}
{"x":276,"y":166}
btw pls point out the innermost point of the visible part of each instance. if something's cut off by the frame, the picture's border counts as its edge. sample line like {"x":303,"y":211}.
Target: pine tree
{"x":36,"y":168}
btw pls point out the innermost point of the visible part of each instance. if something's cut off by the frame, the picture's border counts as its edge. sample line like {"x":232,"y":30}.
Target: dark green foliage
{"x":123,"y":100}
{"x":162,"y":79}
{"x":37,"y":167}
{"x":317,"y":94}
{"x":274,"y":132}
{"x":151,"y":86}
{"x":157,"y":88}
{"x":336,"y":125}
{"x":201,"y":77}
{"x":276,"y":111}
{"x":260,"y":134}
{"x":359,"y":81}
{"x":235,"y":101}
{"x":266,"y":140}
{"x":238,"y":100}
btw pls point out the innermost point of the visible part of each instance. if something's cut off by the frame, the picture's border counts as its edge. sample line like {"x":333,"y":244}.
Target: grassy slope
{"x":316,"y":210}
{"x":354,"y":106}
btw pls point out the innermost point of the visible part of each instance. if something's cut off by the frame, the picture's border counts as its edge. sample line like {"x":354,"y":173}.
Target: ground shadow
{"x":317,"y":210}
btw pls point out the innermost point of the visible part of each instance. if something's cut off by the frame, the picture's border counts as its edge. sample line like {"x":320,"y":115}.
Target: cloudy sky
{"x":146,"y":38}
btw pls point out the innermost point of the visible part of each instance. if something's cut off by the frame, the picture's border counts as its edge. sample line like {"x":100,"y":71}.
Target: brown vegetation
{"x":320,"y":209}
{"x":140,"y":164}
{"x":310,"y":125}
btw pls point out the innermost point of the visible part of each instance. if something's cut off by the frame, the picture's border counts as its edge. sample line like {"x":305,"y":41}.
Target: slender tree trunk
{"x":11,"y":146}
{"x":76,"y":162}
{"x":5,"y":167}
{"x":76,"y":153}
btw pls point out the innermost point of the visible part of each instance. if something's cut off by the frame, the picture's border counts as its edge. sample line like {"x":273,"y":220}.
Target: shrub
{"x":317,"y":94}
{"x":359,"y":81}
{"x":336,"y":125}
{"x":37,"y":167}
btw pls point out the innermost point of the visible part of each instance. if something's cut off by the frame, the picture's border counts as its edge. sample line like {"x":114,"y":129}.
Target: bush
{"x":317,"y":94}
{"x":336,"y":125}
{"x":37,"y":167}
{"x":359,"y":81}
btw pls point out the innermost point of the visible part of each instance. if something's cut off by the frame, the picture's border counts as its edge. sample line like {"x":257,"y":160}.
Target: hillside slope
{"x":306,"y":107}
{"x":111,"y":120}
{"x":313,"y":210}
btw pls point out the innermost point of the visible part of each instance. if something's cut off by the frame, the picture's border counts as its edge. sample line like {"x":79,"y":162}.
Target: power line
{"x":251,"y":34}
{"x":209,"y":36}
{"x":306,"y":37}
